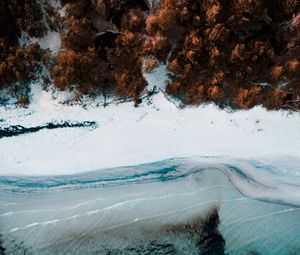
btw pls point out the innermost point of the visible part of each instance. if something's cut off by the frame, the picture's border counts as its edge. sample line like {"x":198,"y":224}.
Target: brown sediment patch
{"x":2,"y":249}
{"x":196,"y":235}
{"x":203,"y":230}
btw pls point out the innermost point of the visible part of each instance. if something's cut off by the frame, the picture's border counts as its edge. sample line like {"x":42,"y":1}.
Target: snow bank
{"x":50,"y":41}
{"x":129,"y":136}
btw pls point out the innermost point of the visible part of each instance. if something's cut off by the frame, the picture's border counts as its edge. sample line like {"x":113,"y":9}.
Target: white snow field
{"x":129,"y":136}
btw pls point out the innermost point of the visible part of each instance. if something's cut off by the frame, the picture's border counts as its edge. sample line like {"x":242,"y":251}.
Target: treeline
{"x":102,"y":49}
{"x":237,"y":53}
{"x":20,"y":64}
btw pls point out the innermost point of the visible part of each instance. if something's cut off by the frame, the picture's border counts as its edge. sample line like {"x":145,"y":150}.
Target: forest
{"x":235,"y":53}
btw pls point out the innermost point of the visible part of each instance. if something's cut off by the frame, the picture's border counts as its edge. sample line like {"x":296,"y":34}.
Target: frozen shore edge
{"x":126,"y":135}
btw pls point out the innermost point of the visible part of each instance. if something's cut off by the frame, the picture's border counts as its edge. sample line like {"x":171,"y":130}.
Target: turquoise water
{"x":177,"y":206}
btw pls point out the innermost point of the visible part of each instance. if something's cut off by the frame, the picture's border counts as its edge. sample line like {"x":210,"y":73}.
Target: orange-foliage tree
{"x":218,"y":50}
{"x":19,"y":67}
{"x":27,"y":14}
{"x":102,"y":49}
{"x":237,"y":53}
{"x":19,"y":64}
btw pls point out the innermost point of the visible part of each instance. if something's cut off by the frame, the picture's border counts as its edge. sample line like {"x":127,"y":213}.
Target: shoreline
{"x":133,"y":136}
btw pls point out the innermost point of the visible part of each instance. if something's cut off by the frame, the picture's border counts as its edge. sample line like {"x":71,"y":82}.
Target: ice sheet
{"x":128,"y":209}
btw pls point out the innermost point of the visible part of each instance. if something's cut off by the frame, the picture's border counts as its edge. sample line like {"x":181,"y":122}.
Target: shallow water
{"x":177,"y":206}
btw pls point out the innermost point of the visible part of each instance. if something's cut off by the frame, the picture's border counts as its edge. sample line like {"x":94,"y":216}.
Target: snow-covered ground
{"x":129,"y":136}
